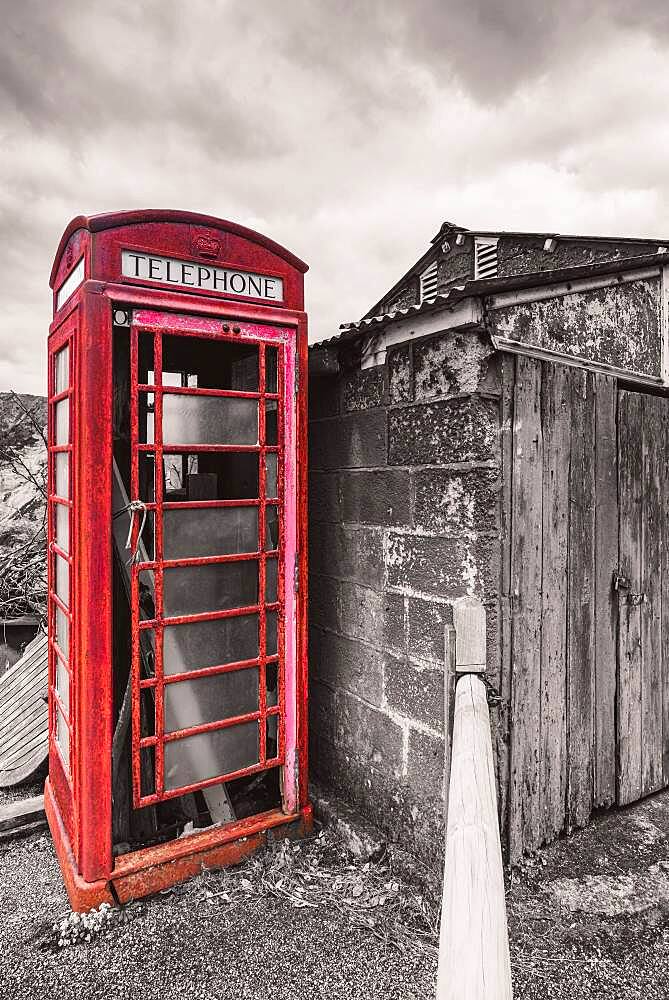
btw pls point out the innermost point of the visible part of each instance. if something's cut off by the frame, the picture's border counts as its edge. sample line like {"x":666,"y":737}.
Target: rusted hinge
{"x":296,"y":574}
{"x":620,"y":582}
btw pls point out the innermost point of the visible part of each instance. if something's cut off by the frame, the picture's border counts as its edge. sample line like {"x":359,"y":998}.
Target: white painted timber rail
{"x":474,"y":945}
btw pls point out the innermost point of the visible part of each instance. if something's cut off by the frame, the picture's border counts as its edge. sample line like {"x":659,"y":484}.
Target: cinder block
{"x":323,"y":496}
{"x":357,"y":440}
{"x":453,"y":430}
{"x":452,"y":501}
{"x":347,"y":665}
{"x":322,"y":711}
{"x":364,"y":390}
{"x":425,"y":765}
{"x":348,"y":553}
{"x":362,"y":612}
{"x":381,"y":498}
{"x":324,"y":393}
{"x":323,"y":443}
{"x":452,"y":363}
{"x":370,"y":736}
{"x":400,"y":381}
{"x":445,"y":567}
{"x":417,"y":694}
{"x":394,"y":614}
{"x":324,"y":600}
{"x":426,"y":629}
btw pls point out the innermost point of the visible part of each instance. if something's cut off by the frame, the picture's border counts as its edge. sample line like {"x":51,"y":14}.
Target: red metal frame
{"x":79,"y":802}
{"x":157,"y":326}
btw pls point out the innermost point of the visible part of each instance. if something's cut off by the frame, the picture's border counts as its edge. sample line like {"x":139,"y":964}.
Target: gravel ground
{"x":588,"y":919}
{"x":184,"y":944}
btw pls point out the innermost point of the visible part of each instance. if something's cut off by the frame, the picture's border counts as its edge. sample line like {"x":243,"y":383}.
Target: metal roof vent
{"x":428,"y":283}
{"x":485,"y":258}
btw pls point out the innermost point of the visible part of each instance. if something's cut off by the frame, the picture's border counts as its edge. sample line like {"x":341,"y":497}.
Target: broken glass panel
{"x":271,"y":529}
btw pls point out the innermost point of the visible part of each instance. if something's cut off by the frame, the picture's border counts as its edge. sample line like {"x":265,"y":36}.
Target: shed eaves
{"x":482,"y":287}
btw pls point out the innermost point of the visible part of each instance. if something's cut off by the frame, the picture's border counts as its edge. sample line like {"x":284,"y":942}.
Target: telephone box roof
{"x":114,"y":220}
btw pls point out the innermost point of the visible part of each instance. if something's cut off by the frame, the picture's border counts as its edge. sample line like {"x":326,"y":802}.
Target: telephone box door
{"x":210,"y":500}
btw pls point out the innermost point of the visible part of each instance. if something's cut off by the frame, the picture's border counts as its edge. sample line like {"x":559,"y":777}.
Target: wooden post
{"x":474,"y":959}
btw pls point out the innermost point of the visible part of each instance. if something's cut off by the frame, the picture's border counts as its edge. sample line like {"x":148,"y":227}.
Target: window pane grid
{"x":60,"y":535}
{"x":263,"y":609}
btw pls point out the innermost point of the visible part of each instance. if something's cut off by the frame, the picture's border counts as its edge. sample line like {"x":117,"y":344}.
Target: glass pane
{"x":63,"y":683}
{"x":271,"y":528}
{"x":63,"y":737}
{"x":271,"y":633}
{"x":209,"y":420}
{"x":62,"y":474}
{"x":62,"y":526}
{"x":271,"y":369}
{"x":208,"y":755}
{"x":201,"y":531}
{"x":191,"y":590}
{"x":62,"y":579}
{"x":271,"y":580}
{"x":62,"y":371}
{"x":63,"y":632}
{"x":62,"y":422}
{"x":195,"y":645}
{"x":271,"y":465}
{"x":209,"y":699}
{"x":271,"y":423}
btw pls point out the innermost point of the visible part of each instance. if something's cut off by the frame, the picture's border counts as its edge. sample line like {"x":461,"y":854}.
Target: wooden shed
{"x":504,"y":440}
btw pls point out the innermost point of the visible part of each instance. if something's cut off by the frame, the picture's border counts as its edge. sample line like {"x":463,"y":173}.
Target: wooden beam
{"x":474,"y":960}
{"x":15,"y":816}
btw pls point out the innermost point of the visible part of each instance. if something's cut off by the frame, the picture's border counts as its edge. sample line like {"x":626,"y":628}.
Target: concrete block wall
{"x":404,"y":520}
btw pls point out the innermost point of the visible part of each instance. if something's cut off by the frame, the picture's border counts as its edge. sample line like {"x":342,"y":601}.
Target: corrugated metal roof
{"x":491,"y":286}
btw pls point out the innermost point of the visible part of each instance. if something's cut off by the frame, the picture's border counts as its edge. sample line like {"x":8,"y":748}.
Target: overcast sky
{"x":346,"y":131}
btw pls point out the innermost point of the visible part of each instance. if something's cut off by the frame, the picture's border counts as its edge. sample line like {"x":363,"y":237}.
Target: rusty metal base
{"x":147,"y":871}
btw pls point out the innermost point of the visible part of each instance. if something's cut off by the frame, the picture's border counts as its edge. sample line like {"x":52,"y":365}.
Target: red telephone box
{"x":177,"y":550}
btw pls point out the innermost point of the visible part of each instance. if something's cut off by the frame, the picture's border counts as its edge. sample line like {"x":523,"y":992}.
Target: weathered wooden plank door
{"x":562,"y":554}
{"x":643,"y":670}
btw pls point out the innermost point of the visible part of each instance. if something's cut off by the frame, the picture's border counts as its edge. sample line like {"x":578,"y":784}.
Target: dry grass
{"x":312,"y":873}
